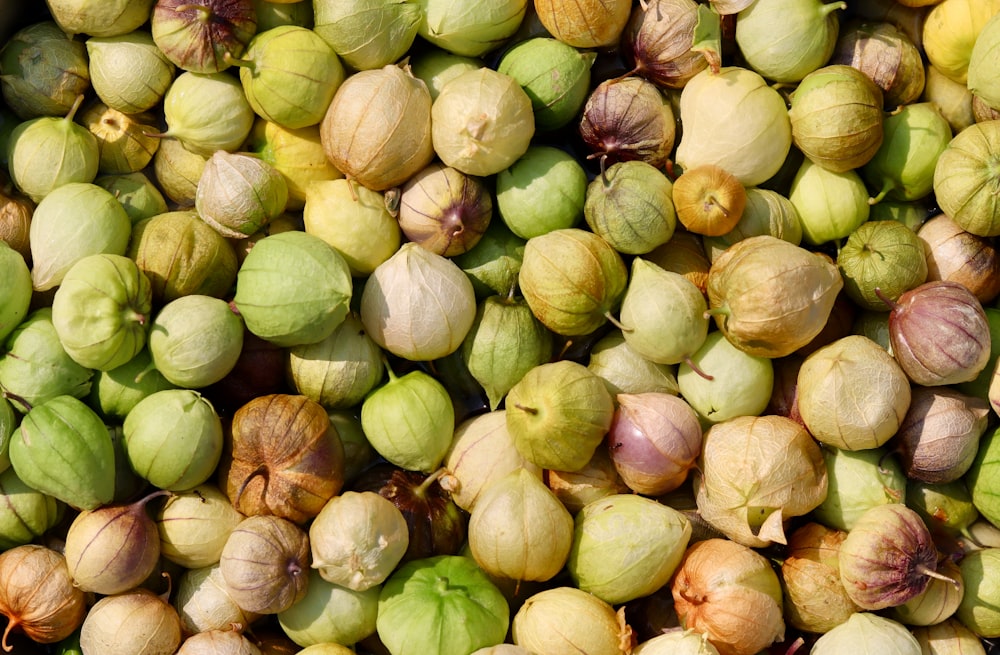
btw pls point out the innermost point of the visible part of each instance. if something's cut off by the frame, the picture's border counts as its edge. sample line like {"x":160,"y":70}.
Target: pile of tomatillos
{"x":497,"y":327}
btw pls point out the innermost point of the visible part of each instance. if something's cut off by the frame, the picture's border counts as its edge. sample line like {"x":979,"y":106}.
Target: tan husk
{"x":586,"y":23}
{"x":939,"y":436}
{"x":377,"y":129}
{"x":203,"y":602}
{"x":287,"y":460}
{"x":129,"y":623}
{"x":960,"y":256}
{"x":730,"y":592}
{"x":38,"y":596}
{"x":265,"y":564}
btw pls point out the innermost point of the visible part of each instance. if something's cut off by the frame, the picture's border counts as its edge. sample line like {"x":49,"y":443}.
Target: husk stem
{"x":886,"y":188}
{"x":892,"y":304}
{"x":74,"y":108}
{"x":694,"y":367}
{"x":18,"y":399}
{"x":923,"y":570}
{"x":204,"y":13}
{"x":614,"y":321}
{"x":431,"y":479}
{"x":242,"y":63}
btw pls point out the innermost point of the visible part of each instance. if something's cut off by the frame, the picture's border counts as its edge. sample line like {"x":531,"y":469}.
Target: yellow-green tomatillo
{"x":409,"y":420}
{"x":173,"y":439}
{"x":195,"y":340}
{"x":101,"y":311}
{"x":128,"y":72}
{"x":367,"y":34}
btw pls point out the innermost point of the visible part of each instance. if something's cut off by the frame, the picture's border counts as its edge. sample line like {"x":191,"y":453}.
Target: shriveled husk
{"x":887,"y":55}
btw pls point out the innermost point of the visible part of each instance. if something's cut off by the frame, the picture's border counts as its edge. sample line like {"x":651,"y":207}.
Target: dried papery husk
{"x":483,"y":122}
{"x":731,"y":593}
{"x":588,"y":24}
{"x":939,"y":437}
{"x":959,"y":256}
{"x":884,"y":255}
{"x":814,"y":597}
{"x":864,"y":630}
{"x":113,"y":548}
{"x":937,"y":602}
{"x":15,"y":222}
{"x":624,"y":370}
{"x":684,"y":253}
{"x":418,"y":305}
{"x":37,"y":595}
{"x":357,"y":540}
{"x":629,"y":118}
{"x":207,"y":112}
{"x":965,"y":179}
{"x":124,"y":143}
{"x":658,"y":38}
{"x":501,"y":649}
{"x":597,"y":479}
{"x":836,"y":114}
{"x":505,"y":342}
{"x":949,"y":637}
{"x":519,"y":529}
{"x":203,"y":602}
{"x":939,"y":333}
{"x":194,"y":526}
{"x":558,"y":414}
{"x":265,"y":564}
{"x":287,"y":460}
{"x":608,"y":560}
{"x":883,"y":52}
{"x":128,"y":72}
{"x":198,"y":36}
{"x":766,"y":212}
{"x":367,"y":34}
{"x":749,"y":496}
{"x":218,"y":642}
{"x":888,"y":557}
{"x":564,"y":620}
{"x":377,"y":129}
{"x":43,"y":71}
{"x":571,"y":279}
{"x":136,"y":621}
{"x":444,"y":210}
{"x":852,"y":394}
{"x":982,"y":111}
{"x":654,"y":440}
{"x":708,"y":200}
{"x":754,"y":277}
